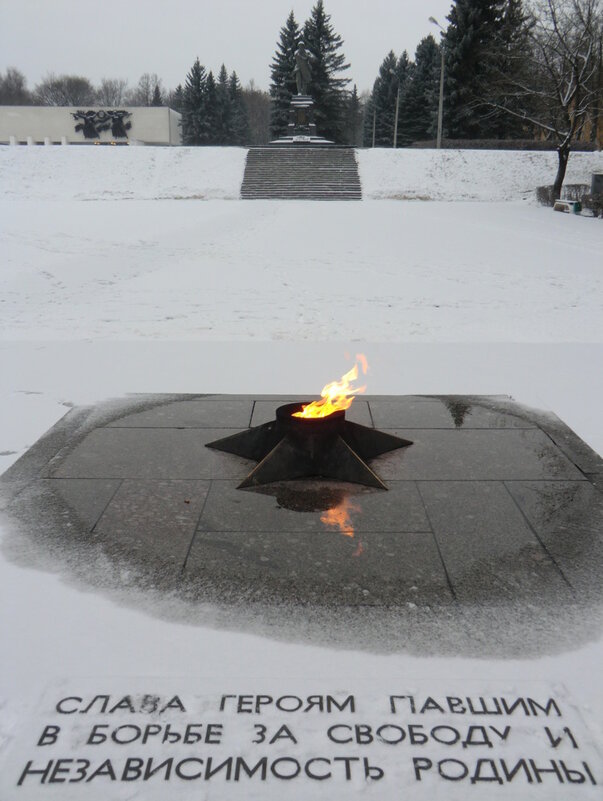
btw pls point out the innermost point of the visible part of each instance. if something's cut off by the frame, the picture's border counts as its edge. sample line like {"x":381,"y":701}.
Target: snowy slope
{"x":120,"y":173}
{"x":150,"y":173}
{"x":466,"y":174}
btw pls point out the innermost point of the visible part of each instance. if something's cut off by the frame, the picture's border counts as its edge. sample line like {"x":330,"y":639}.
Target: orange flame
{"x":339,"y":517}
{"x":337,"y":395}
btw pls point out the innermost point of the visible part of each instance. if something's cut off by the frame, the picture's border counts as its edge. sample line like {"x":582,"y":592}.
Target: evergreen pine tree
{"x":212,"y":111}
{"x":353,"y":120}
{"x":422,"y":93}
{"x":469,"y":38}
{"x":383,"y":103}
{"x":282,"y":84}
{"x":194,"y":121}
{"x":177,"y":98}
{"x":483,"y":42}
{"x":404,"y":69}
{"x":327,"y":88}
{"x":380,"y":115}
{"x":223,"y":132}
{"x":240,"y":118}
{"x":157,"y":99}
{"x":512,"y":51}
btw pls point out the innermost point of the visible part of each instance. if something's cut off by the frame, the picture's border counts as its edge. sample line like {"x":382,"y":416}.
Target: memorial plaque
{"x":284,"y":739}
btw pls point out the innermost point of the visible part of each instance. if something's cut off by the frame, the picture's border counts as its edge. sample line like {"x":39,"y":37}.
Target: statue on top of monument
{"x":302,"y":70}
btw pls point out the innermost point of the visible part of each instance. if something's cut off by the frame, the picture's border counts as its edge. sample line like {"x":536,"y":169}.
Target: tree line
{"x":77,"y":90}
{"x":512,"y":69}
{"x":218,"y":113}
{"x":226,"y":113}
{"x":504,"y":62}
{"x":213,"y":112}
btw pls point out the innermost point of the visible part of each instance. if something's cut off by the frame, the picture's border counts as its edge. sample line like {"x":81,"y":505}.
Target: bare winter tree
{"x":559,"y":90}
{"x":111,"y":92}
{"x":148,"y":86}
{"x":13,"y":88}
{"x":257,"y":103}
{"x":65,"y":90}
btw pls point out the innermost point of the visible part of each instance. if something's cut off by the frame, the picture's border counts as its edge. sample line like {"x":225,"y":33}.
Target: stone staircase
{"x":301,"y":173}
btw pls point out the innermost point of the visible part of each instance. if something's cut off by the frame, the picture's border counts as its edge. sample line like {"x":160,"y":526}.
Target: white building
{"x":89,"y":125}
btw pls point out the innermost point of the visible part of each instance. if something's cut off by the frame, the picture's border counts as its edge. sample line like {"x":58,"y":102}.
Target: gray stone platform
{"x":492,"y":505}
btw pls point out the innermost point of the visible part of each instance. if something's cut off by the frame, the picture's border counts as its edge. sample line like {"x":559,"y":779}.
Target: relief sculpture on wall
{"x":92,"y":123}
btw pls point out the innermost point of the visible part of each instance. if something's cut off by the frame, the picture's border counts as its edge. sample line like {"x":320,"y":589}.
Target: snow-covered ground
{"x":215,"y":173}
{"x":110,"y":296}
{"x":380,"y":271}
{"x":121,"y":173}
{"x":486,"y":175}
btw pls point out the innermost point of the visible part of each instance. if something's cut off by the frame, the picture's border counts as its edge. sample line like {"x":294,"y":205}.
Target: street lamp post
{"x":434,"y":21}
{"x":395,"y":142}
{"x":396,"y":117}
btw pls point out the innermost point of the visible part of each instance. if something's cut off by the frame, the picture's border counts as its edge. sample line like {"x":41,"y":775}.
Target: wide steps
{"x":301,"y":173}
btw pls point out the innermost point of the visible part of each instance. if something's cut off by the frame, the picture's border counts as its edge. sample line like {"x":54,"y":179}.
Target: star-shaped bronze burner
{"x":297,"y":447}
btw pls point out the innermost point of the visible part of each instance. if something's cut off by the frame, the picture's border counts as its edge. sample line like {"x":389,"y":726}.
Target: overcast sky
{"x":125,"y":38}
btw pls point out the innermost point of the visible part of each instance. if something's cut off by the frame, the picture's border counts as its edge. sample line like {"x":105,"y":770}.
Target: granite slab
{"x":490,"y":509}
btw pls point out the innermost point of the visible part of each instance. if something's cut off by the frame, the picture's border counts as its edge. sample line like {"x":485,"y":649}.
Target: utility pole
{"x":396,"y":117}
{"x":441,"y":103}
{"x":395,"y":142}
{"x":434,"y":21}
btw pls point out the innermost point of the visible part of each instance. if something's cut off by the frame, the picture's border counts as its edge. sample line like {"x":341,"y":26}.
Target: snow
{"x":100,"y":299}
{"x":215,"y":173}
{"x":126,"y":173}
{"x":485,"y":175}
{"x":386,"y":271}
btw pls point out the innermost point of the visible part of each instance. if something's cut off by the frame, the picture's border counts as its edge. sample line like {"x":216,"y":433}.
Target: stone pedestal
{"x":301,"y":126}
{"x":301,"y":117}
